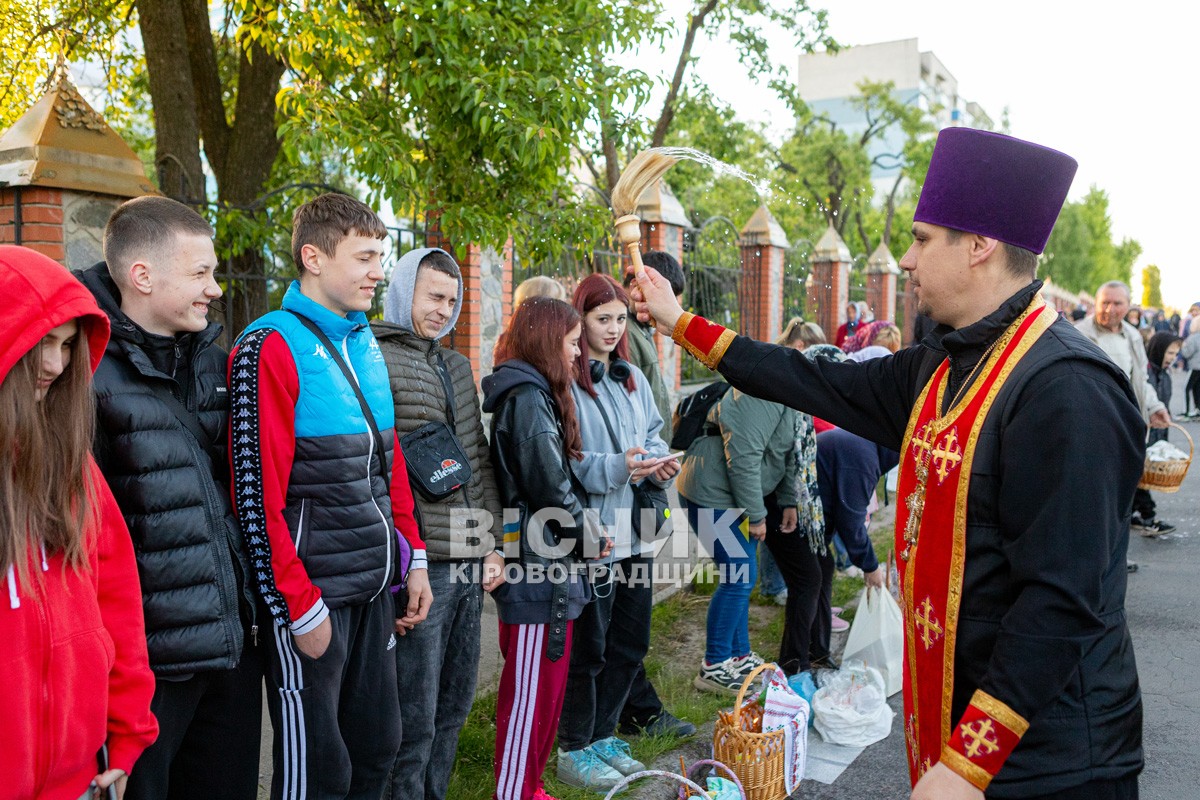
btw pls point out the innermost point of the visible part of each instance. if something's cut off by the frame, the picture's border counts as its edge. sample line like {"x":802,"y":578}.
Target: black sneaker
{"x":667,"y":724}
{"x":1131,"y":566}
{"x":1154,"y":527}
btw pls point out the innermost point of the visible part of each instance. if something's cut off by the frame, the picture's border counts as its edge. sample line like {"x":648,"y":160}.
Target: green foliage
{"x":827,"y":172}
{"x":1067,"y":258}
{"x":1151,"y":287}
{"x":471,"y":108}
{"x":1081,"y":254}
{"x":705,"y":123}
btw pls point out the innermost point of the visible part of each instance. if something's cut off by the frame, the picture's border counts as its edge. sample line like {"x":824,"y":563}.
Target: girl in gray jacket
{"x":619,"y":424}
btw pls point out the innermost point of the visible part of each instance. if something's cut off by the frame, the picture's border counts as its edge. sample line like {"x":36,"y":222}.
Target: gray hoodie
{"x":398,"y":302}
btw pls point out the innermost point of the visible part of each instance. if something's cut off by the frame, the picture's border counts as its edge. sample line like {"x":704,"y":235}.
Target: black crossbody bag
{"x":438,"y":465}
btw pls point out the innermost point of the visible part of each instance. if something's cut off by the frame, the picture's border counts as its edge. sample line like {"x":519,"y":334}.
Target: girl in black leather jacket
{"x":534,"y":435}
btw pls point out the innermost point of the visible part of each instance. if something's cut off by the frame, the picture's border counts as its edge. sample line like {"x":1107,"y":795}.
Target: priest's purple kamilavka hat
{"x":996,"y":186}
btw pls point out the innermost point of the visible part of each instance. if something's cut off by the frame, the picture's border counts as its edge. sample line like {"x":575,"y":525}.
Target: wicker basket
{"x":756,"y":758}
{"x":1167,"y":476}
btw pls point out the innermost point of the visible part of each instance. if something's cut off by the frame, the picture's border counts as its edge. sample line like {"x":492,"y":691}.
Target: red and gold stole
{"x":931,"y":523}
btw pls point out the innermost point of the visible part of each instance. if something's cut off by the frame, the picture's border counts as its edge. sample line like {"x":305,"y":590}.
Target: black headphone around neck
{"x":618,"y":370}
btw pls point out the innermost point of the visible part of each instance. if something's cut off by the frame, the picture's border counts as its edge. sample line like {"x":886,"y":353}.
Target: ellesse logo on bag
{"x":448,"y":468}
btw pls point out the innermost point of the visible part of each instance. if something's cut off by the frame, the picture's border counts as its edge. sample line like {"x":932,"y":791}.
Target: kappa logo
{"x":320,"y":352}
{"x":448,"y":468}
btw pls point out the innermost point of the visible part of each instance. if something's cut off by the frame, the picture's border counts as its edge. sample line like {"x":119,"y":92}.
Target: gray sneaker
{"x":720,"y":678}
{"x":584,"y":769}
{"x":615,"y":753}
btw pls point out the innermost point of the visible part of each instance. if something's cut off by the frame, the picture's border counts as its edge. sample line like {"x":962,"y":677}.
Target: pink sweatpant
{"x":527,"y":708}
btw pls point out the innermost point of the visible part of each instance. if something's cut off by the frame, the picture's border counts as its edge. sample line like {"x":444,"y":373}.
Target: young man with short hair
{"x":434,"y":385}
{"x":321,"y":489}
{"x":162,"y":415}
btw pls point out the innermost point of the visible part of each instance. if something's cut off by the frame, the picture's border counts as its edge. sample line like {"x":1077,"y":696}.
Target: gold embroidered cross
{"x":921,"y":442}
{"x":928,"y":625}
{"x":947,"y":454}
{"x":980,"y":739}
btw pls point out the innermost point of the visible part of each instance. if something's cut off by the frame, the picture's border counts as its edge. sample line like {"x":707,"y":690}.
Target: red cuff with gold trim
{"x":705,"y":340}
{"x":983,"y":739}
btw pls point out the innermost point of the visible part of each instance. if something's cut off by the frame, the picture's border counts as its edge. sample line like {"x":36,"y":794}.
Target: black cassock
{"x":1042,"y":622}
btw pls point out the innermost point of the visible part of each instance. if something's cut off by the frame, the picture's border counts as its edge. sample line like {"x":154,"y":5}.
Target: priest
{"x":1021,"y":444}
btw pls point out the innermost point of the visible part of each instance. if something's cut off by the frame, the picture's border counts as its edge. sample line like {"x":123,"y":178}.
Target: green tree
{"x":620,"y":130}
{"x":1151,"y":287}
{"x":1081,"y":254}
{"x":468,"y":107}
{"x":827,"y":171}
{"x":705,"y":123}
{"x":1067,"y":257}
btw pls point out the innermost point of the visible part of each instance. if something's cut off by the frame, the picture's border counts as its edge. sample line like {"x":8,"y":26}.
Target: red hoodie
{"x":75,"y":670}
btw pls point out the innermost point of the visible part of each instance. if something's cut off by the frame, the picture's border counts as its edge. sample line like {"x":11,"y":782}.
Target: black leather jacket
{"x":532,"y":475}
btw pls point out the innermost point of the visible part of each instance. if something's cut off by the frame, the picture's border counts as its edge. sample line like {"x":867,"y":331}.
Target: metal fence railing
{"x":569,"y":268}
{"x":255,"y":281}
{"x":712,"y":263}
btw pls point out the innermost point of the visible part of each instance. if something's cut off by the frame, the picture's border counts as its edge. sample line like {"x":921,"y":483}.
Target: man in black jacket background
{"x":162,"y":407}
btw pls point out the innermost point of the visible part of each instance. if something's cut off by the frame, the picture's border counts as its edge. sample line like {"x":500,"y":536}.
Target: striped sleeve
{"x":264,"y":387}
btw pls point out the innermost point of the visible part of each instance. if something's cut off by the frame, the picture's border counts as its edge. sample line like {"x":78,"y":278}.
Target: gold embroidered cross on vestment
{"x":980,"y":738}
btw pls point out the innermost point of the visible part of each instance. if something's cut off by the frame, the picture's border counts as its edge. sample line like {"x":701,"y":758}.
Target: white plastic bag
{"x":850,"y":708}
{"x":877,"y":637}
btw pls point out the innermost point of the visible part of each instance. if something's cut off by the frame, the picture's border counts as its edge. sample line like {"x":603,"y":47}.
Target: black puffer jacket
{"x":173,"y":494}
{"x":532,"y":474}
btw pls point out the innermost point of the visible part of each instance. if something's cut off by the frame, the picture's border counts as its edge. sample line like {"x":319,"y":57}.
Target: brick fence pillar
{"x":663,"y":226}
{"x":763,"y":245}
{"x":829,"y":290}
{"x":882,"y":272}
{"x":910,"y":311}
{"x":33,"y":216}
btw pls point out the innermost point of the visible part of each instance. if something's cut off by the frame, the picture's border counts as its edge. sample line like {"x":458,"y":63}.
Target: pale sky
{"x":1112,"y":84}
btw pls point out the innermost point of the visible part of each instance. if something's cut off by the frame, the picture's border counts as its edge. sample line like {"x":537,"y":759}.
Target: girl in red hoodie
{"x":74,"y":665}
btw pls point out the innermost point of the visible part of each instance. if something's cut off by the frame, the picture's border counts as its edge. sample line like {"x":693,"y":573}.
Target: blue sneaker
{"x":585,"y":769}
{"x":615,"y":753}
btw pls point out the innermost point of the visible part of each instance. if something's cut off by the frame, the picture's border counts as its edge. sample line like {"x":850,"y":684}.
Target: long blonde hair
{"x":47,"y":489}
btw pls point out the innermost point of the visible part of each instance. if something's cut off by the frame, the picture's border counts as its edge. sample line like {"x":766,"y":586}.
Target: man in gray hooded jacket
{"x":437,"y":660}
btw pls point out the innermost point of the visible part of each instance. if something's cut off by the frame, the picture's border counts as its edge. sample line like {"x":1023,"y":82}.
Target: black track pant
{"x":1191,"y":395}
{"x":336,"y":718}
{"x":209,"y":719}
{"x":809,"y":579}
